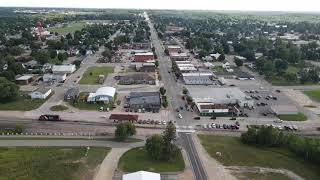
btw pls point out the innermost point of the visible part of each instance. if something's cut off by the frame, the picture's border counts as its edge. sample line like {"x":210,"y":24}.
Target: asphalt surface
{"x":174,"y":95}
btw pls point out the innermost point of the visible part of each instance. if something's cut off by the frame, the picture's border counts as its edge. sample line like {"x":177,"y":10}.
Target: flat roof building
{"x":198,"y":78}
{"x":144,"y":101}
{"x":25,"y":79}
{"x":143,"y":57}
{"x":64,"y":69}
{"x":179,"y":56}
{"x":103,"y":94}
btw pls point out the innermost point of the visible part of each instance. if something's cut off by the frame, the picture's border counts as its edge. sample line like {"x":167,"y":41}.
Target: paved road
{"x":199,"y":171}
{"x":174,"y":94}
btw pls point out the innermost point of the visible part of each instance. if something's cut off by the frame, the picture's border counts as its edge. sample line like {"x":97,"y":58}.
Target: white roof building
{"x":198,"y":78}
{"x":40,"y":93}
{"x":142,"y":175}
{"x":102,"y":94}
{"x":64,"y":69}
{"x":144,"y":54}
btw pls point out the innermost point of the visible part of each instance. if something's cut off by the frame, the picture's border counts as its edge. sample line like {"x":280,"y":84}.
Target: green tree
{"x":107,"y":53}
{"x":19,"y":128}
{"x":155,"y":146}
{"x":189,"y":100}
{"x":8,"y":90}
{"x":62,"y":56}
{"x":156,"y":63}
{"x":280,"y":65}
{"x":124,"y":130}
{"x":238,"y":62}
{"x":166,"y":51}
{"x":222,"y":57}
{"x":163,"y":91}
{"x":42,"y":56}
{"x":169,"y":136}
{"x":185,"y":91}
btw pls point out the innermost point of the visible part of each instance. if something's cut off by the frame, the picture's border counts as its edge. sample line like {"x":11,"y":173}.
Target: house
{"x":143,"y":57}
{"x":207,"y":58}
{"x":139,"y":78}
{"x":40,"y":93}
{"x":179,"y":56}
{"x":215,"y":56}
{"x":198,"y":78}
{"x":25,"y":79}
{"x":71,"y":94}
{"x":54,"y":77}
{"x":64,"y":69}
{"x":144,"y":101}
{"x":226,"y":65}
{"x":142,"y":175}
{"x":124,"y":117}
{"x":103,"y":94}
{"x":240,"y":58}
{"x":218,"y":97}
{"x":208,"y":65}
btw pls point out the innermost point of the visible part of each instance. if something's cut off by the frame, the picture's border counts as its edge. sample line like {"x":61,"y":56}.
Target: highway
{"x":174,"y":95}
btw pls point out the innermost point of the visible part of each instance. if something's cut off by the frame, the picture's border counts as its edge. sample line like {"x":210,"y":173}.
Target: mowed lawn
{"x":92,"y":73}
{"x":49,"y":163}
{"x":69,"y":28}
{"x":293,"y":117}
{"x":313,"y":94}
{"x":235,"y":153}
{"x":137,"y":159}
{"x":22,"y":104}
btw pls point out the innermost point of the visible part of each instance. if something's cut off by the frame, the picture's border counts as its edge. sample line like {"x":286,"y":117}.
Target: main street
{"x":175,"y":101}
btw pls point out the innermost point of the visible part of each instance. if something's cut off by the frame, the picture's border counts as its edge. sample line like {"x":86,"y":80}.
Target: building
{"x":143,"y":57}
{"x":103,"y":94}
{"x":186,"y":67}
{"x":179,"y":56}
{"x":71,"y":94}
{"x":138,"y":78}
{"x":174,"y":49}
{"x":63,"y":69}
{"x":217,"y":99}
{"x":124,"y":117}
{"x":142,"y":175}
{"x":208,"y":65}
{"x":284,"y":109}
{"x":40,"y":93}
{"x":146,"y":67}
{"x":245,"y":76}
{"x":54,"y":77}
{"x":198,"y":78}
{"x":144,"y":101}
{"x":25,"y":79}
{"x":141,"y":45}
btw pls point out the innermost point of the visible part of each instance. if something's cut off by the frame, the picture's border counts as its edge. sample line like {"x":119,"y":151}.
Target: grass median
{"x":235,"y":153}
{"x":293,"y":117}
{"x":137,"y":159}
{"x":313,"y":94}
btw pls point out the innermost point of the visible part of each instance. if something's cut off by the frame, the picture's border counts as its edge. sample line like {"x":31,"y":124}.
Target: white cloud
{"x":257,"y":5}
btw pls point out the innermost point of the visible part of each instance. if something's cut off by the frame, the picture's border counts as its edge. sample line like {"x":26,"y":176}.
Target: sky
{"x":243,"y":5}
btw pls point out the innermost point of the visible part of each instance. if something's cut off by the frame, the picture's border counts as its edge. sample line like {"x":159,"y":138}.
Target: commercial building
{"x":71,"y":94}
{"x":54,"y":77}
{"x":40,"y":93}
{"x":245,"y":76}
{"x":63,"y":69}
{"x":142,"y":175}
{"x":103,"y":94}
{"x":143,"y":57}
{"x":143,"y":101}
{"x":186,"y":67}
{"x":179,"y":56}
{"x":137,"y":78}
{"x":198,"y":78}
{"x":25,"y":79}
{"x":146,"y":67}
{"x":174,"y":49}
{"x":219,"y":100}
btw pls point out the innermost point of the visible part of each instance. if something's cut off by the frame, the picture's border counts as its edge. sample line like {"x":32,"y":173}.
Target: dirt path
{"x":214,"y":169}
{"x":248,"y":169}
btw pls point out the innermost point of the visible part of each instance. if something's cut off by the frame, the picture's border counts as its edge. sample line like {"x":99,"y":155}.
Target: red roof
{"x":124,"y":117}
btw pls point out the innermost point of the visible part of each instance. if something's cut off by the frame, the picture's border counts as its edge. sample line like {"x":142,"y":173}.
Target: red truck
{"x":47,"y":117}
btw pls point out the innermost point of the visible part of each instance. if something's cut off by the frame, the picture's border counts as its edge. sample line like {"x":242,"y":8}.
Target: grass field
{"x":58,"y":108}
{"x":137,"y":159}
{"x":293,"y":117}
{"x":92,"y":73}
{"x":313,"y":94}
{"x":54,"y":163}
{"x":69,"y":28}
{"x":235,"y":153}
{"x":22,"y":104}
{"x":262,"y":176}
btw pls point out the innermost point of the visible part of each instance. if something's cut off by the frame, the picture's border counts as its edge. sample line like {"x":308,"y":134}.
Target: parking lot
{"x":264,"y":99}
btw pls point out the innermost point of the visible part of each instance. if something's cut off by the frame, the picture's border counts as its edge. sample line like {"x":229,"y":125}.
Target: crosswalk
{"x":186,"y":129}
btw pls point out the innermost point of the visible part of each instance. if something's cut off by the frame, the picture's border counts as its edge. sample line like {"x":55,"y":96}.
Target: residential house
{"x":71,"y":94}
{"x":54,"y":77}
{"x":40,"y":93}
{"x":25,"y":79}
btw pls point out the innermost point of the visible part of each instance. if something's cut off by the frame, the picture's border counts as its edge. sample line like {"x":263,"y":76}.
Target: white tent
{"x":142,"y":175}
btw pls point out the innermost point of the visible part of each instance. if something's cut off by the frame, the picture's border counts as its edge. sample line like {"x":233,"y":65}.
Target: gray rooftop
{"x":144,"y":98}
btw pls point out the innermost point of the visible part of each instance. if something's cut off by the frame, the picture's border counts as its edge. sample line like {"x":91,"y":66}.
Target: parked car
{"x":213,"y":117}
{"x":179,"y":116}
{"x":197,"y":118}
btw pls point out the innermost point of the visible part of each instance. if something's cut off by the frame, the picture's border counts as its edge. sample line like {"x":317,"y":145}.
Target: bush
{"x":124,"y":130}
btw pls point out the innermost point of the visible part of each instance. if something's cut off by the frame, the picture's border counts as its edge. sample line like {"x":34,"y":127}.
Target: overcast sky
{"x":256,"y":5}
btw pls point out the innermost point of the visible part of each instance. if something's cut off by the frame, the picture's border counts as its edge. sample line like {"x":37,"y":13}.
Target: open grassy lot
{"x":293,"y":117}
{"x":22,"y":104}
{"x":68,"y":28}
{"x":262,"y":176}
{"x":235,"y":153}
{"x":137,"y":159}
{"x":58,"y":108}
{"x":92,"y":73}
{"x":90,"y":106}
{"x":52,"y":163}
{"x":313,"y":94}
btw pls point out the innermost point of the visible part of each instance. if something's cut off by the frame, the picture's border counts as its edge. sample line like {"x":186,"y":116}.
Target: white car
{"x":278,"y":121}
{"x":179,"y":116}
